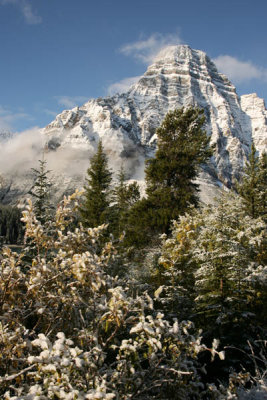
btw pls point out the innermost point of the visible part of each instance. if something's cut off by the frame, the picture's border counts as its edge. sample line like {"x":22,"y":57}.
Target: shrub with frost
{"x":70,"y":329}
{"x":214,"y":264}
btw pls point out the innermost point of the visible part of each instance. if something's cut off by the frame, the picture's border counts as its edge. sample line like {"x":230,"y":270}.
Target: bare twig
{"x":11,"y":377}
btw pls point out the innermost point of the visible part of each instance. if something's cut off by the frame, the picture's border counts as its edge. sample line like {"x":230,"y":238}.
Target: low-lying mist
{"x":67,"y":163}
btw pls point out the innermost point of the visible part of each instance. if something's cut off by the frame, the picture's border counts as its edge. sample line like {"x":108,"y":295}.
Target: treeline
{"x":183,"y":147}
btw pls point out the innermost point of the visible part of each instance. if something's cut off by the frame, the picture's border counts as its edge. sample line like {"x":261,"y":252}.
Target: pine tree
{"x":41,"y":191}
{"x":183,"y":146}
{"x":95,"y":209}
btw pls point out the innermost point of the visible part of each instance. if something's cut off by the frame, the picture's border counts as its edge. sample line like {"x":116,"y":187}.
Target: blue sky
{"x":59,"y":53}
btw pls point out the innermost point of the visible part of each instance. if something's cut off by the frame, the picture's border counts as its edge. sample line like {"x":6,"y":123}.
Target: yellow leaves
{"x":177,"y":249}
{"x":19,"y":379}
{"x":34,"y":262}
{"x":158,"y":292}
{"x":67,"y":288}
{"x":106,"y":325}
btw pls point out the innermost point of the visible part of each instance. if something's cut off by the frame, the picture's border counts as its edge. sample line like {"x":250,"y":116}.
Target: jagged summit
{"x":184,"y":60}
{"x":178,"y":77}
{"x":177,"y":53}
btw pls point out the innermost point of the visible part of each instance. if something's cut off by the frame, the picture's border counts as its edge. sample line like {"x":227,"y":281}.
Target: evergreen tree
{"x":229,"y":251}
{"x":230,"y":278}
{"x":182,"y":147}
{"x":11,"y":226}
{"x":95,"y":208}
{"x":263,"y":186}
{"x":125,"y":196}
{"x":212,"y":271}
{"x":41,"y":191}
{"x":248,"y":187}
{"x":176,"y":267}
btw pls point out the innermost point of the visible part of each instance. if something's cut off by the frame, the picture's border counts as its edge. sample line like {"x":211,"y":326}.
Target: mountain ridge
{"x":127,"y":122}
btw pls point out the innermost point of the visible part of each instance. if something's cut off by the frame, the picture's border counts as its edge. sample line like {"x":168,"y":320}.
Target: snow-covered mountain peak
{"x":127,"y":122}
{"x":184,"y":59}
{"x":178,"y":53}
{"x":178,"y":77}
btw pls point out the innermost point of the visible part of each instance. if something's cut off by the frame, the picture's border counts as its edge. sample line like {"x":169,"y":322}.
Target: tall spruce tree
{"x":211,"y":270}
{"x":263,"y":186}
{"x":124,"y":196}
{"x":95,"y":209}
{"x":11,"y":226}
{"x":183,"y":146}
{"x":40,"y":190}
{"x":253,"y":186}
{"x":229,"y":253}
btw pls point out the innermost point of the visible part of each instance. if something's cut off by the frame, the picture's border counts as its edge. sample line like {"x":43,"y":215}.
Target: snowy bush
{"x":69,"y":329}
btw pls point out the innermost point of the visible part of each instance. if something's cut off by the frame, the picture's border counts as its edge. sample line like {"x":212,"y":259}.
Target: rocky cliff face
{"x":127,"y":123}
{"x":254,"y":107}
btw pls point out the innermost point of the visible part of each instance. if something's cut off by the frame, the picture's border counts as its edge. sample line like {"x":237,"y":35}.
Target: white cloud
{"x":144,"y":50}
{"x":7,"y":118}
{"x":29,"y":16}
{"x":71,"y":102}
{"x":122,"y":86}
{"x":240,"y":71}
{"x":26,"y":9}
{"x":20,"y":152}
{"x":147,"y":49}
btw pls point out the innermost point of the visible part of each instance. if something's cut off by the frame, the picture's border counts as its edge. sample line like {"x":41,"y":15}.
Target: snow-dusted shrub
{"x":215,"y":262}
{"x":213,"y":266}
{"x":69,"y":329}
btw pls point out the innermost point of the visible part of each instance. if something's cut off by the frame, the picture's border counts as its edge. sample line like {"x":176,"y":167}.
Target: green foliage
{"x":253,"y":185}
{"x":176,"y":266}
{"x":40,"y":191}
{"x":263,"y":186}
{"x":11,"y":227}
{"x":212,"y":270}
{"x":182,"y":147}
{"x":73,"y":326}
{"x":124,"y":197}
{"x":227,"y":251}
{"x":95,"y":208}
{"x":69,"y":330}
{"x":139,"y":230}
